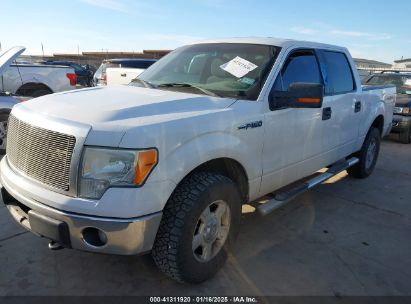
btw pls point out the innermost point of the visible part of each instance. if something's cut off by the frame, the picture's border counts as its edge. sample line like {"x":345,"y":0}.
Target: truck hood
{"x":111,"y":111}
{"x":7,"y":57}
{"x":118,"y":103}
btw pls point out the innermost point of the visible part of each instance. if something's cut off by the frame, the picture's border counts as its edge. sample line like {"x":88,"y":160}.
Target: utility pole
{"x":78,"y":54}
{"x":0,"y":46}
{"x":42,"y":49}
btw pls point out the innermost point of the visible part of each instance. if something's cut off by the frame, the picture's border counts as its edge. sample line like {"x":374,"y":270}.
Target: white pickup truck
{"x":120,"y":70}
{"x":165,"y":164}
{"x":33,"y":79}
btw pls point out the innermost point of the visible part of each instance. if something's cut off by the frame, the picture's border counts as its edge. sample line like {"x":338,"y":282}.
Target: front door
{"x":293,"y":137}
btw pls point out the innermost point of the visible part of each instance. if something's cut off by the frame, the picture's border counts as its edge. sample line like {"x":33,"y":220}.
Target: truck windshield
{"x":218,"y":69}
{"x":402,"y":82}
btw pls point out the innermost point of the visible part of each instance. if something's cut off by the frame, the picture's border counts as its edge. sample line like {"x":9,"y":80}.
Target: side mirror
{"x":299,"y":95}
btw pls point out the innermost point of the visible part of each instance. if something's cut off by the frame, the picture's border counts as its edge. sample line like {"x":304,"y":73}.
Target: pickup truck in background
{"x":165,"y":164}
{"x":401,"y":123}
{"x":26,"y":79}
{"x":7,"y":99}
{"x":120,"y":70}
{"x":84,"y":75}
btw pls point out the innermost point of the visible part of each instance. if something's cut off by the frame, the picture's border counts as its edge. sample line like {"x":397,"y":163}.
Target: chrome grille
{"x":39,"y":153}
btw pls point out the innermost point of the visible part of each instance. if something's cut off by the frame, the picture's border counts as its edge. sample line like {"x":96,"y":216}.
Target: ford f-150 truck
{"x":165,"y":164}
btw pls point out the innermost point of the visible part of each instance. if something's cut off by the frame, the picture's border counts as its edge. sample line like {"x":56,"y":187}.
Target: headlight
{"x":104,"y":168}
{"x":402,"y":110}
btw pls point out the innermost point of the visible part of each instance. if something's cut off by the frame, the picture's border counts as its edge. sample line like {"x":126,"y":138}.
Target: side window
{"x":339,"y":73}
{"x":301,"y":66}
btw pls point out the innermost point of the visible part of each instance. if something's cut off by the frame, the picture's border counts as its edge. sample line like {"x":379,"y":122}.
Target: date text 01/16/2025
{"x":204,"y":299}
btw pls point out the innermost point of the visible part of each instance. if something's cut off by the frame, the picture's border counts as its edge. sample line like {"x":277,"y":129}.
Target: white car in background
{"x":120,"y":70}
{"x":34,"y":79}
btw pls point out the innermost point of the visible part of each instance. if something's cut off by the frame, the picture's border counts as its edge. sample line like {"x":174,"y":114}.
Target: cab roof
{"x":283,"y":43}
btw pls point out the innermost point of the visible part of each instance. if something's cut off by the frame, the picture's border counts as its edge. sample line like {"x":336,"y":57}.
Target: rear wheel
{"x":199,"y":224}
{"x":40,"y":92}
{"x":367,"y":156}
{"x":405,"y":136}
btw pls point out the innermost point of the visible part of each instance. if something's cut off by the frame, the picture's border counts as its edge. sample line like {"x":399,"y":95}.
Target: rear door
{"x":341,"y":105}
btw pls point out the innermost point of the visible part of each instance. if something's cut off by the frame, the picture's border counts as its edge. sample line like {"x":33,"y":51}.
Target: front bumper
{"x":400,"y":123}
{"x":122,"y":236}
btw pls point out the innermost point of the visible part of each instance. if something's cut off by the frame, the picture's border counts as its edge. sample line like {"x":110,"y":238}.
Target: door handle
{"x":327,"y":113}
{"x":123,"y":75}
{"x":357,"y":107}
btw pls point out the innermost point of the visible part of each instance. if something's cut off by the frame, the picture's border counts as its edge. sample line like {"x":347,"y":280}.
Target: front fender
{"x":179,"y":162}
{"x":200,"y":150}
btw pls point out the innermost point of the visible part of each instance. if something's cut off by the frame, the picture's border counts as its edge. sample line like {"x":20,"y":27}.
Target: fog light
{"x":94,"y":237}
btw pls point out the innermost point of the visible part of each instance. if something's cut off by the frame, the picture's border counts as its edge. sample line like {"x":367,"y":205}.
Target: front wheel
{"x":199,"y":224}
{"x":367,"y":156}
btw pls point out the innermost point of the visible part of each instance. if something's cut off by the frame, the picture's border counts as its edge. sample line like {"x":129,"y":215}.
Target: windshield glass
{"x":402,"y":82}
{"x":224,"y":69}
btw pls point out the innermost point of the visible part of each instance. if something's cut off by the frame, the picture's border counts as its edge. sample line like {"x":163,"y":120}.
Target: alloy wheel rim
{"x":211,"y":231}
{"x":371,"y":151}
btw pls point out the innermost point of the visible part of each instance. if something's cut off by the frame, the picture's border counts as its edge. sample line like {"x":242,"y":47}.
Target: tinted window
{"x":340,"y":77}
{"x":141,"y":64}
{"x":77,"y":67}
{"x":299,"y":67}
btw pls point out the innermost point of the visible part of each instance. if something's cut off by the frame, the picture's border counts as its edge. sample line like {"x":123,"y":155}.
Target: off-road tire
{"x":172,"y":251}
{"x":405,"y":136}
{"x":360,"y":170}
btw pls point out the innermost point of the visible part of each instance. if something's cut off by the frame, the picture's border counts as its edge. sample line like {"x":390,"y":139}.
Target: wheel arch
{"x":28,"y":88}
{"x":378,"y":123}
{"x":230,"y":168}
{"x":227,"y":167}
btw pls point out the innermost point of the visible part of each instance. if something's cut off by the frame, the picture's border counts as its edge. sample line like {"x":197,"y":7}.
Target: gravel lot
{"x":346,"y":237}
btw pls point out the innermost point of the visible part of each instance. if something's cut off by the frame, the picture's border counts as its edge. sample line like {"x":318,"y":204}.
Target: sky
{"x":378,"y":30}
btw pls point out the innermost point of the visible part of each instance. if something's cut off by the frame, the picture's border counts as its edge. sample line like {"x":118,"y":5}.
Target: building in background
{"x":402,"y":64}
{"x":371,"y":64}
{"x":367,"y":67}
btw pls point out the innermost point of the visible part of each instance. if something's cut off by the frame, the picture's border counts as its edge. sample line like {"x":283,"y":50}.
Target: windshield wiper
{"x":147,"y":84}
{"x":187,"y":85}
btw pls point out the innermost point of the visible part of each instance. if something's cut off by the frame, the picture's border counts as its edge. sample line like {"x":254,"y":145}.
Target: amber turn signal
{"x":309,"y":99}
{"x":146,"y":162}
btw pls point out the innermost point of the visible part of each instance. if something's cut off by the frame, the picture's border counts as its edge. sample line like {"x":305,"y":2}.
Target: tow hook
{"x":55,"y":246}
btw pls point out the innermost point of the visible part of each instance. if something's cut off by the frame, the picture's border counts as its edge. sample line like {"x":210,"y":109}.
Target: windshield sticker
{"x":238,"y":67}
{"x":247,"y":80}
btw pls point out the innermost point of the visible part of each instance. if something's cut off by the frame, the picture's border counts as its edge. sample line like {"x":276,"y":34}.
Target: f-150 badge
{"x":251,"y":125}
